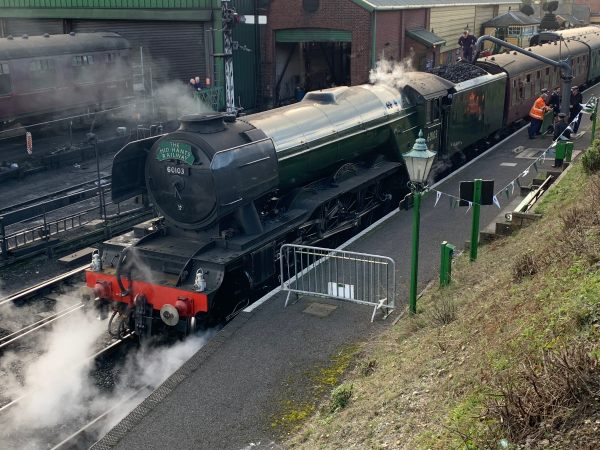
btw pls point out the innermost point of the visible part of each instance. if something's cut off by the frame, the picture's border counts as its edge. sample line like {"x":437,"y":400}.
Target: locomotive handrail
{"x":564,"y":66}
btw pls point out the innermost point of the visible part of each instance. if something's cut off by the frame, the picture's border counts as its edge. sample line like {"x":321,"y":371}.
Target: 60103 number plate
{"x":177,"y":170}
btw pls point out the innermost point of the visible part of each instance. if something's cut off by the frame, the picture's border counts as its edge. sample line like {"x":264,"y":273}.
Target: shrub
{"x":591,"y":159}
{"x":340,"y":397}
{"x":547,"y":395}
{"x":443,"y":311}
{"x":525,"y":265}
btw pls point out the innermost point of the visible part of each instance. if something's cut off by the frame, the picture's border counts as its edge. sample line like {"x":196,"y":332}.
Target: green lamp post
{"x":418,"y":164}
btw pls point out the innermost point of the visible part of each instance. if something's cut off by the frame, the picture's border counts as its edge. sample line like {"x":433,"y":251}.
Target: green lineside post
{"x":595,"y":115}
{"x":447,"y":251}
{"x":414,"y":266}
{"x":443,"y":265}
{"x":475,"y":227}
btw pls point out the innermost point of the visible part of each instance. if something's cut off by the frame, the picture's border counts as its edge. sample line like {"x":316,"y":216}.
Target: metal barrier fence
{"x":355,"y":277}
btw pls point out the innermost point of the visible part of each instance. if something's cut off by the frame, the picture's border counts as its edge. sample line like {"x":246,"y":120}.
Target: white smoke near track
{"x":56,"y":390}
{"x":51,"y":386}
{"x":150,"y":366}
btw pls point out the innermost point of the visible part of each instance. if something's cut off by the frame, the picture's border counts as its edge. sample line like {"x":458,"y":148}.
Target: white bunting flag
{"x":525,"y":172}
{"x":438,"y":194}
{"x":512,"y":187}
{"x":496,"y":202}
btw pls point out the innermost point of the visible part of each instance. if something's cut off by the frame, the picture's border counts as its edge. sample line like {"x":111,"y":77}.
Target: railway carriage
{"x":527,"y":76}
{"x":54,"y":76}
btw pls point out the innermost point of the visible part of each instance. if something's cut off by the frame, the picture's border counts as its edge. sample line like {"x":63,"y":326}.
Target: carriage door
{"x":433,"y":124}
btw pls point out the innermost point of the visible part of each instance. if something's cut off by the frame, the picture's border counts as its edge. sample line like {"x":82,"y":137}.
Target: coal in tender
{"x":459,"y":72}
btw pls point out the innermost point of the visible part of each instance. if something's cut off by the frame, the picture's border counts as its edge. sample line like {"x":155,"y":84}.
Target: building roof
{"x":178,"y":10}
{"x":569,"y":18}
{"x":511,"y":18}
{"x":425,"y":37}
{"x":387,"y":5}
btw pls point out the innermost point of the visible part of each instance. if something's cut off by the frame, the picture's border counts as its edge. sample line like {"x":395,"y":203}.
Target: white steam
{"x":53,"y":384}
{"x":151,"y":367}
{"x":175,"y":99}
{"x":57,"y":392}
{"x":390,"y":73}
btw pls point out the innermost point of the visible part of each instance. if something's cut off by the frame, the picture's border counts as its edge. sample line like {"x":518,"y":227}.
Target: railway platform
{"x":232,"y":394}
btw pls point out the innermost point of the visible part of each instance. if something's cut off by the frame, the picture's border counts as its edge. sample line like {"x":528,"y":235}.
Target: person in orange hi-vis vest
{"x":536,"y":114}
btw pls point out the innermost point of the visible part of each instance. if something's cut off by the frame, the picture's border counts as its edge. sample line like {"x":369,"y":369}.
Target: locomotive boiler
{"x":230,"y":191}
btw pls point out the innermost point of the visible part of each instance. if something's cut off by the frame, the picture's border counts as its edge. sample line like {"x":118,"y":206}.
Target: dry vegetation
{"x":507,"y":360}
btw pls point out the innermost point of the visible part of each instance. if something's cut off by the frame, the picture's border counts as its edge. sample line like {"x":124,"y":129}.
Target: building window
{"x":5,"y":83}
{"x":514,"y":31}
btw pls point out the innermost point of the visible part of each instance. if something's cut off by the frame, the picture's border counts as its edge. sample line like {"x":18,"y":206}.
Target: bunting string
{"x":509,"y":188}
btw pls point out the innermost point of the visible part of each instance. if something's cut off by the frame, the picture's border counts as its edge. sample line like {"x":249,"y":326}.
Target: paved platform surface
{"x":225,"y":396}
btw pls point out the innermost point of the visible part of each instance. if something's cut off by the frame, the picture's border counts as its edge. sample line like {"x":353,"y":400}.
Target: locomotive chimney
{"x":202,"y":123}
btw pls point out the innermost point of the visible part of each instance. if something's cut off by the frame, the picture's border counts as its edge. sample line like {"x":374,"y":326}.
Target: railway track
{"x":28,"y":296}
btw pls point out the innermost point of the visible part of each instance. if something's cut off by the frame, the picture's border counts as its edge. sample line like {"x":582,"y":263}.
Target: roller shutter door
{"x":176,"y":50}
{"x":32,"y":27}
{"x":449,"y":23}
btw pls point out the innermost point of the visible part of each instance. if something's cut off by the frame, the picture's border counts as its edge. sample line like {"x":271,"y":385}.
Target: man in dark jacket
{"x":562,"y":132}
{"x":555,"y":100}
{"x":467,"y":43}
{"x":575,"y":107}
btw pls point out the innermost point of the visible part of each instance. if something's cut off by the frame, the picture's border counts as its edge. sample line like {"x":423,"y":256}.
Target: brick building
{"x":312,"y":44}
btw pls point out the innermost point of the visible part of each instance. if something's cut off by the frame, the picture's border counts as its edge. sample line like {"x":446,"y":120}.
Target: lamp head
{"x":419,"y":161}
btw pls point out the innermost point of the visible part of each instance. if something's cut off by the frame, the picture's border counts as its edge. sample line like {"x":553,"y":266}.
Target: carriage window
{"x":5,"y":83}
{"x":82,"y":68}
{"x":42,"y":74}
{"x":110,"y":58}
{"x":84,"y":60}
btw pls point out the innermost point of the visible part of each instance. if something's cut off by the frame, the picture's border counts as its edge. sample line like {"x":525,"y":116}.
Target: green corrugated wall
{"x":113,"y":4}
{"x":245,"y":62}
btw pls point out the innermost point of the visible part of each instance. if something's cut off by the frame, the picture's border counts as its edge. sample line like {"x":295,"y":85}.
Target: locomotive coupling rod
{"x":566,"y":72}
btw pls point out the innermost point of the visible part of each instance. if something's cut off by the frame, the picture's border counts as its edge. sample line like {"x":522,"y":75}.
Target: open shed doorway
{"x":307,"y":66}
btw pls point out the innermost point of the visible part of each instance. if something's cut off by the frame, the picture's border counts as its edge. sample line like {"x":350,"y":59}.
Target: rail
{"x":51,"y":226}
{"x":76,"y":188}
{"x":356,"y":277}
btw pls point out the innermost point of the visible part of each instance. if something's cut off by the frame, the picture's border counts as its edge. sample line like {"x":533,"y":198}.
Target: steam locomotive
{"x":231,"y":191}
{"x":54,"y":76}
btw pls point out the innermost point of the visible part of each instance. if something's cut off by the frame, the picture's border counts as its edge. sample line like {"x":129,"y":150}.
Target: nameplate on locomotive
{"x":169,"y":150}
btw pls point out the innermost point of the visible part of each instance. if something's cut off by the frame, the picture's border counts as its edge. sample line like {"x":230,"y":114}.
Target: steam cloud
{"x":57,"y":389}
{"x":175,"y":99}
{"x":390,"y":73}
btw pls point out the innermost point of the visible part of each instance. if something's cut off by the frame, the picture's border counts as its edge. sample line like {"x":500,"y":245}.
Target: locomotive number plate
{"x":177,"y":170}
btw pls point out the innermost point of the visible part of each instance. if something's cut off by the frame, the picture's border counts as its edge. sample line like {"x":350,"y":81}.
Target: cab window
{"x":433,"y":110}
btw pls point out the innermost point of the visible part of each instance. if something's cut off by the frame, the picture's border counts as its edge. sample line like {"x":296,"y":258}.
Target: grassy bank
{"x":507,"y":356}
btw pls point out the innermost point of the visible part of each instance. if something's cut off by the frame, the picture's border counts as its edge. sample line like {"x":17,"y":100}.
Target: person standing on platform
{"x":555,"y":101}
{"x":575,"y":107}
{"x":536,"y":113}
{"x":562,"y":132}
{"x":467,"y":43}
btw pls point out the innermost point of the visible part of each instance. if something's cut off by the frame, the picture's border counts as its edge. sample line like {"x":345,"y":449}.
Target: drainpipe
{"x":566,"y":71}
{"x":374,"y":41}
